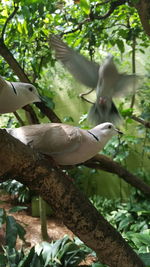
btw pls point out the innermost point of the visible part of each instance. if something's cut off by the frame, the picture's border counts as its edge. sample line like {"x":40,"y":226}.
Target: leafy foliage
{"x":85,"y":26}
{"x":63,"y":252}
{"x":131,"y":219}
{"x":16,"y":190}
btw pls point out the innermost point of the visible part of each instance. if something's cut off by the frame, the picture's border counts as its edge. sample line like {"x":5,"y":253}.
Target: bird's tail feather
{"x":99,"y":114}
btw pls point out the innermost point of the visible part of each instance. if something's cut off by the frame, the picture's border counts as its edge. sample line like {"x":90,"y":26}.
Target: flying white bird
{"x":105,"y":79}
{"x":15,"y":95}
{"x":66,"y":144}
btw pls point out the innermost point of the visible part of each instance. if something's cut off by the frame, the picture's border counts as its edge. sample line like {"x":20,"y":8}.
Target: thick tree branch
{"x":77,"y":213}
{"x":12,"y":62}
{"x":101,"y":162}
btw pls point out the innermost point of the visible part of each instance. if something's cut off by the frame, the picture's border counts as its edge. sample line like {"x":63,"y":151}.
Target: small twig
{"x":19,"y":119}
{"x":31,"y":115}
{"x":79,"y":27}
{"x":140,"y":120}
{"x":87,"y":93}
{"x":8,"y":19}
{"x":113,"y":6}
{"x":88,"y":101}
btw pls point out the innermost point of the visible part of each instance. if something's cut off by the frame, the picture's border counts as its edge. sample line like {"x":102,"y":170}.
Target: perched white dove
{"x":67,"y":145}
{"x":15,"y":95}
{"x":105,"y":78}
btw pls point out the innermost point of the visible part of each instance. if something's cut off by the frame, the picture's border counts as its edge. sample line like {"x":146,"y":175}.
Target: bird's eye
{"x":109,"y":127}
{"x":30,"y":89}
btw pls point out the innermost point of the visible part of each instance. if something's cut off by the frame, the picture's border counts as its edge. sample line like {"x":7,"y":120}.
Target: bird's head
{"x":27,"y":91}
{"x":105,"y":129}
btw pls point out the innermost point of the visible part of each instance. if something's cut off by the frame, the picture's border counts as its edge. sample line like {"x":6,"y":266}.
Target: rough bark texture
{"x":102,"y":162}
{"x":143,"y":9}
{"x":77,"y":213}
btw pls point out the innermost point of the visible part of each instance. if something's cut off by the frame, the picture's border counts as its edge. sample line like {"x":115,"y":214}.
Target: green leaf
{"x":3,"y":260}
{"x":17,"y":208}
{"x":145,"y":258}
{"x":48,"y":101}
{"x":27,"y":259}
{"x":143,"y":238}
{"x":2,"y":216}
{"x":85,"y":6}
{"x":120,"y":45}
{"x":11,"y":231}
{"x":21,"y":232}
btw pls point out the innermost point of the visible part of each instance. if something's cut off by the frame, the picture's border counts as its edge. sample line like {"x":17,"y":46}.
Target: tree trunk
{"x":143,"y":9}
{"x":55,"y":187}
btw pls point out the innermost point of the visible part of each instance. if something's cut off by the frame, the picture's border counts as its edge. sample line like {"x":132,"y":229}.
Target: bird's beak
{"x":118,"y":131}
{"x":40,"y":98}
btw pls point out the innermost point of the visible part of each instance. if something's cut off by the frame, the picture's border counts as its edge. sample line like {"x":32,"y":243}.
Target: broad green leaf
{"x":11,"y":231}
{"x":85,"y":6}
{"x":145,"y":258}
{"x":21,"y":231}
{"x":120,"y":45}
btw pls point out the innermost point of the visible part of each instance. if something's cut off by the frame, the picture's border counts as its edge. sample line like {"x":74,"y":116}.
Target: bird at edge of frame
{"x":105,"y":79}
{"x":15,"y":95}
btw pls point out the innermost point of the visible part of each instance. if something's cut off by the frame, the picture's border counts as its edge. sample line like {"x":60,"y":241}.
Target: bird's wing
{"x":126,"y":83}
{"x":81,"y":68}
{"x":63,"y":138}
{"x":49,"y":138}
{"x":3,"y":83}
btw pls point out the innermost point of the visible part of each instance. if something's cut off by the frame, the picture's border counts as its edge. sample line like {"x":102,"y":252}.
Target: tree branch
{"x":140,"y":120}
{"x":18,"y":118}
{"x":102,"y":162}
{"x":76,"y":211}
{"x":113,"y":6}
{"x":8,"y":19}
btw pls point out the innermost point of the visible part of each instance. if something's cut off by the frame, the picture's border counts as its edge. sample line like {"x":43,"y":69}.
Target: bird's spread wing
{"x":3,"y":83}
{"x":81,"y":68}
{"x":126,"y":83}
{"x":49,"y":138}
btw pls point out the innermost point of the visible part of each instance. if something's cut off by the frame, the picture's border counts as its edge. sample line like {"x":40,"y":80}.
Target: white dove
{"x":15,"y":95}
{"x":105,"y":78}
{"x":66,"y":144}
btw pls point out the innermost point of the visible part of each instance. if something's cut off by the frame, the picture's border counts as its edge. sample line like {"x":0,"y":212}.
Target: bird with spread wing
{"x":105,"y":79}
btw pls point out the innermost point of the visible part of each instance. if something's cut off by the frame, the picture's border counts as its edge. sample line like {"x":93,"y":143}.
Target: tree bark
{"x":55,"y":187}
{"x":143,"y":9}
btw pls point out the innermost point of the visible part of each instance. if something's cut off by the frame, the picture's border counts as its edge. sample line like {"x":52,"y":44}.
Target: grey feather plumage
{"x":15,"y":95}
{"x":104,"y":78}
{"x":66,"y":144}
